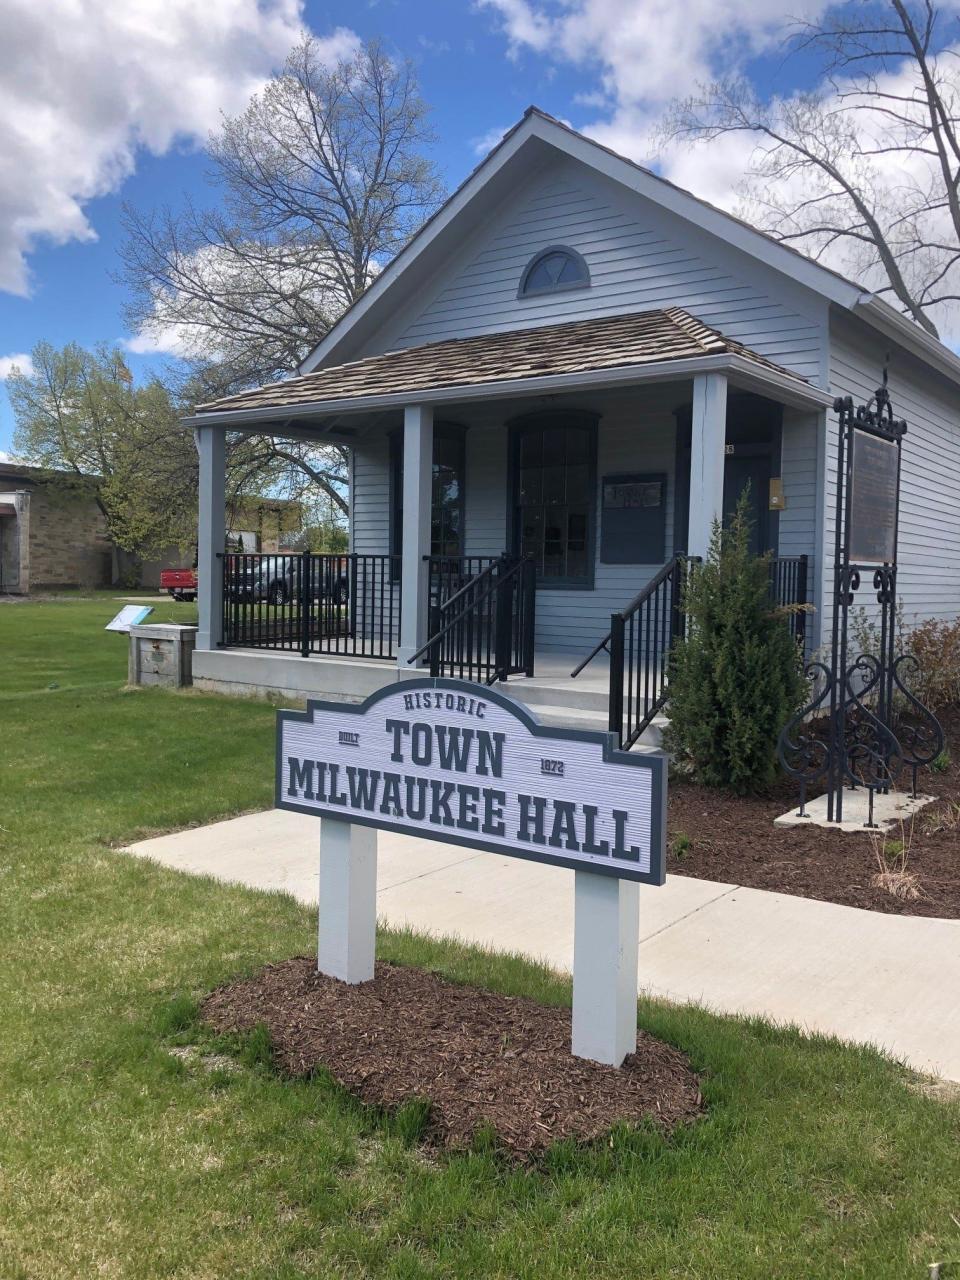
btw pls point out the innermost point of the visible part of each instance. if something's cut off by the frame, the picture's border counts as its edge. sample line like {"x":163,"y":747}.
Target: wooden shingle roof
{"x":579,"y":346}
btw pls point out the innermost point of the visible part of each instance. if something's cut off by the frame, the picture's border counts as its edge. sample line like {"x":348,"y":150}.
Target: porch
{"x":520,"y":528}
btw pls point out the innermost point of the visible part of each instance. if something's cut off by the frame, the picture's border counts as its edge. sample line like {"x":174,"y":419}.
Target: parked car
{"x":180,"y":583}
{"x":276,"y":579}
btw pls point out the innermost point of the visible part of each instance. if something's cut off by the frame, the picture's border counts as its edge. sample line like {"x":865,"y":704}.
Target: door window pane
{"x":554,"y":500}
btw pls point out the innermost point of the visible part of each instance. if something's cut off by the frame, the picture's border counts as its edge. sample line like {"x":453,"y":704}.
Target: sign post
{"x":452,"y":761}
{"x":347,"y":916}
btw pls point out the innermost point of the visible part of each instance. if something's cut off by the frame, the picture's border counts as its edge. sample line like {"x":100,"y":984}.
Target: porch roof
{"x":638,"y":345}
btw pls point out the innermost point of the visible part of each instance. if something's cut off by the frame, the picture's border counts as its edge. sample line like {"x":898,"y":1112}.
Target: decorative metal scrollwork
{"x":918,"y":729}
{"x":865,"y":723}
{"x":804,"y":747}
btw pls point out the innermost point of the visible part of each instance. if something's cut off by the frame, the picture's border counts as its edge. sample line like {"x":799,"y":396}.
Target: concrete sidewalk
{"x":892,"y":981}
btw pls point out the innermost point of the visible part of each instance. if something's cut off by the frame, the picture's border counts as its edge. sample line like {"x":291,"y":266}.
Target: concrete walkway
{"x":888,"y":980}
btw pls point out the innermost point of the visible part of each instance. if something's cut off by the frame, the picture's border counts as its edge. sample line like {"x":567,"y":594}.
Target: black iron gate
{"x":863,"y":723}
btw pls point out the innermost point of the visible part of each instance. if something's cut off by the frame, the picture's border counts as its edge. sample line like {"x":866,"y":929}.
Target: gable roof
{"x":631,"y":341}
{"x":536,"y":137}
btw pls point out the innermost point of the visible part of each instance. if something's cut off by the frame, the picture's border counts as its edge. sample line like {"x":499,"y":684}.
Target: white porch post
{"x":707,"y":453}
{"x":211,"y":535}
{"x":606,"y":940}
{"x":417,"y":491}
{"x":347,"y":915}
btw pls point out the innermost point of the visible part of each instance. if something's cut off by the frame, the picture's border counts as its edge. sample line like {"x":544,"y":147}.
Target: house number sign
{"x":452,"y":761}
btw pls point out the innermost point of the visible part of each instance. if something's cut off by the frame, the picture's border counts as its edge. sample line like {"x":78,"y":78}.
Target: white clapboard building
{"x":549,"y":396}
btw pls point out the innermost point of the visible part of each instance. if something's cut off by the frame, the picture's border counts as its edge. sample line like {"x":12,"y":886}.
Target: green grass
{"x":120,"y":1158}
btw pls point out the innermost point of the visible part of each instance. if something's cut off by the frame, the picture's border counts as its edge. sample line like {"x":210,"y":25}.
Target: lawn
{"x":119,"y":1157}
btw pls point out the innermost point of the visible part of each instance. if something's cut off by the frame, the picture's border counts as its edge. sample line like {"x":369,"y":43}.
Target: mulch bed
{"x":481,"y":1060}
{"x":733,"y":839}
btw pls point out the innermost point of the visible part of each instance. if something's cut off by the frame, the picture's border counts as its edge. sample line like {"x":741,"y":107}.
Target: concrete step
{"x":538,"y":692}
{"x":559,"y":717}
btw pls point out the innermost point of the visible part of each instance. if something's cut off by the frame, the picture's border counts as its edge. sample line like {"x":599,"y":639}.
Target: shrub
{"x":936,"y":646}
{"x":736,"y":679}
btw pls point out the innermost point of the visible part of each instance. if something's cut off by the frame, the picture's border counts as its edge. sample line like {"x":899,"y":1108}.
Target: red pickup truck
{"x":181,"y":583}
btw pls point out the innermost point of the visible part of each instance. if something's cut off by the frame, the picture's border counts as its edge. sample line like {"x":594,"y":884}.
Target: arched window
{"x":553,"y":270}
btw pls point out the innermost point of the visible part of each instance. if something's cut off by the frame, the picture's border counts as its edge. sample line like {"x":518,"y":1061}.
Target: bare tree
{"x":321,"y":180}
{"x":864,"y":171}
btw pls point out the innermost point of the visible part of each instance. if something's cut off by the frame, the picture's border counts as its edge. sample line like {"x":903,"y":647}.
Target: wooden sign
{"x":873,"y":499}
{"x":453,"y":761}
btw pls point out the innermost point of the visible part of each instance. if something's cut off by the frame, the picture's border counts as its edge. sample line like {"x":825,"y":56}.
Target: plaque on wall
{"x":873,"y":499}
{"x":633,"y":519}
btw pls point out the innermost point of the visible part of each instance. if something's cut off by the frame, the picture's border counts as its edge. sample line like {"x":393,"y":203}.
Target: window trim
{"x":524,"y":292}
{"x":516,"y":428}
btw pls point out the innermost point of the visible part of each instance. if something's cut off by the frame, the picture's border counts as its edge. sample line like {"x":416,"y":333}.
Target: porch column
{"x":211,"y":535}
{"x":707,"y":453}
{"x":417,"y":491}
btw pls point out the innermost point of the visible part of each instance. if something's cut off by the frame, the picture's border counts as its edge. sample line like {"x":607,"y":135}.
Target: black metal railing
{"x":450,"y":574}
{"x":642,"y":636}
{"x":304,"y":603}
{"x":788,"y":586}
{"x":484,"y":630}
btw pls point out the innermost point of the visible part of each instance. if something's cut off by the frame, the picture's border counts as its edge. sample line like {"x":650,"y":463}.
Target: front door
{"x":751,"y":473}
{"x":753,"y":443}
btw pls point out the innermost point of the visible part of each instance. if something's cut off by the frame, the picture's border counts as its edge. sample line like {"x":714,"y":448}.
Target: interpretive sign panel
{"x":457,"y":762}
{"x":873,"y":499}
{"x":131,"y":615}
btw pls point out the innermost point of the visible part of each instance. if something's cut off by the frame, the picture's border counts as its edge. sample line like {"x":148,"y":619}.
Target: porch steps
{"x":567,"y":706}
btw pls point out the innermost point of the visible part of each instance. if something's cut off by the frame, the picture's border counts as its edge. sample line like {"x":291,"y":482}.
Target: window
{"x":553,"y":270}
{"x":554,"y":497}
{"x":446,"y":509}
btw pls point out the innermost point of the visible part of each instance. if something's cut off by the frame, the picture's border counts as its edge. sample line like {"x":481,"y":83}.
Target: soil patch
{"x":733,"y":839}
{"x":481,"y":1060}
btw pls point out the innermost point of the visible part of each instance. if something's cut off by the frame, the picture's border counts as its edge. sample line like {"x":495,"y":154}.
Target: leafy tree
{"x":736,"y":679}
{"x":864,"y":170}
{"x":80,"y":417}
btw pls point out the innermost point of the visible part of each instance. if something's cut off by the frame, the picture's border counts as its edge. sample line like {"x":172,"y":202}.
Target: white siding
{"x":370,"y":495}
{"x":636,"y":432}
{"x":639,"y":258}
{"x":929,"y":547}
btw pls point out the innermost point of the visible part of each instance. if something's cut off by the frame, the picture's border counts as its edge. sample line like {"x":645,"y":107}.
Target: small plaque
{"x":873,"y":499}
{"x":131,"y":615}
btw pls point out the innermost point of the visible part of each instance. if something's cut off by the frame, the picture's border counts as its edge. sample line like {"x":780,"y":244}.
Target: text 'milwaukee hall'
{"x":452,"y":805}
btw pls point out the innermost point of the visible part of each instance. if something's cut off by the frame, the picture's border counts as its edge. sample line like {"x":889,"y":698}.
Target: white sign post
{"x":452,"y":761}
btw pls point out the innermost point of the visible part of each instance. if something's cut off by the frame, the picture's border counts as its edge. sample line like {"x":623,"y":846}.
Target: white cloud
{"x":85,"y":84}
{"x":20,"y":360}
{"x":165,"y":340}
{"x":646,"y":53}
{"x":487,"y":141}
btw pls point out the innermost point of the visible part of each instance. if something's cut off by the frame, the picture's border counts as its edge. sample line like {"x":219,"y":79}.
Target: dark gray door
{"x":740,"y":472}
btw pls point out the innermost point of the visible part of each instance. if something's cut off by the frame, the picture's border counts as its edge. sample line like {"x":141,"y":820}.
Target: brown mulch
{"x":733,"y":839}
{"x":481,"y":1060}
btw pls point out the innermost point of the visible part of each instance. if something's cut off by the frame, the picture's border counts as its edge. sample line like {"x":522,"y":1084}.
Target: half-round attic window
{"x":553,"y":270}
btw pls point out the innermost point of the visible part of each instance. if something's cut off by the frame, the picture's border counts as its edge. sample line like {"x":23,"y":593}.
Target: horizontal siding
{"x":370,"y":496}
{"x":929,"y":544}
{"x":639,"y":258}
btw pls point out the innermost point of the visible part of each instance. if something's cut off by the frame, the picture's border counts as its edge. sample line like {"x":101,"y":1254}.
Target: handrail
{"x":437,"y":636}
{"x":639,"y":599}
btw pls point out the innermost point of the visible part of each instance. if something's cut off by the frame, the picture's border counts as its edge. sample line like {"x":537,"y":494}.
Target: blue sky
{"x":480,"y":63}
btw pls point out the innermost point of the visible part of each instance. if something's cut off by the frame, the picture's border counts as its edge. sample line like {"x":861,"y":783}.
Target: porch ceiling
{"x":607,"y":349}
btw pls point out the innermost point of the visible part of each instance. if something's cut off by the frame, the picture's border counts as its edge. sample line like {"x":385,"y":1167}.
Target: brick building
{"x":51,"y":534}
